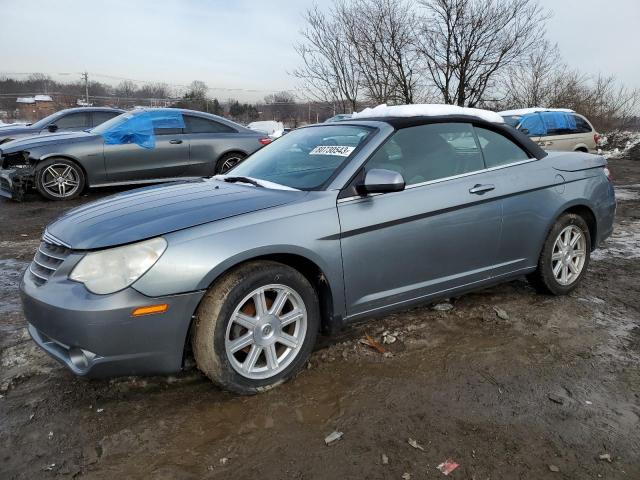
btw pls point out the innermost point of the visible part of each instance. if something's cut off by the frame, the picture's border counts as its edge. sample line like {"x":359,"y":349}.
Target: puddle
{"x":627,"y":193}
{"x":10,"y":274}
{"x":624,"y":243}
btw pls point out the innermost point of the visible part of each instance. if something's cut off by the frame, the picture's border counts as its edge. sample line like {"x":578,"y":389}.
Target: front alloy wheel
{"x":60,"y":180}
{"x":266,"y":331}
{"x":256,"y":327}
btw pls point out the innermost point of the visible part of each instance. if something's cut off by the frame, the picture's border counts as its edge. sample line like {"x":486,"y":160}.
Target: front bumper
{"x":96,"y":335}
{"x":15,"y":182}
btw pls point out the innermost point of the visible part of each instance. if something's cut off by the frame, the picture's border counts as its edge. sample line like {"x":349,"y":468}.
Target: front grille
{"x":47,"y":260}
{"x":4,"y":184}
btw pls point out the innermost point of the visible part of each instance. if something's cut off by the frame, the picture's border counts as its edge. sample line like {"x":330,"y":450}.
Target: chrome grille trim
{"x":47,"y":260}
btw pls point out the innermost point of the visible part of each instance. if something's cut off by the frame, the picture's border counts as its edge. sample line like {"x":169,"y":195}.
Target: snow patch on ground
{"x":624,"y":243}
{"x":426,"y":110}
{"x":628,"y":193}
{"x":618,"y":144}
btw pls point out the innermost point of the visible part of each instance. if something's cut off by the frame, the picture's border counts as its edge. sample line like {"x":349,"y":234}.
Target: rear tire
{"x":237,"y":343}
{"x":561,"y":265}
{"x":59,"y":179}
{"x":228,"y":161}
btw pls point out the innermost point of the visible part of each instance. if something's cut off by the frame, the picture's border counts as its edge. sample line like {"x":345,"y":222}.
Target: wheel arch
{"x":584,"y":210}
{"x":330,"y":321}
{"x":62,"y":156}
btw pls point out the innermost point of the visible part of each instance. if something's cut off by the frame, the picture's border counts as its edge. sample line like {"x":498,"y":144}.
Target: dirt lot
{"x":540,"y":393}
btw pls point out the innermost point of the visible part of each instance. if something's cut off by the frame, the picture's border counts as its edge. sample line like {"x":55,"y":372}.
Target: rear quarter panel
{"x":205,"y":149}
{"x":538,"y":192}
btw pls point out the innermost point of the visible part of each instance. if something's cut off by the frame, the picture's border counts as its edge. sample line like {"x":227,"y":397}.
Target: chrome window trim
{"x":444,"y":179}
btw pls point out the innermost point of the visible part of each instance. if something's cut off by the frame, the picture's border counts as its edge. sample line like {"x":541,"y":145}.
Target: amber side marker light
{"x":151,"y":309}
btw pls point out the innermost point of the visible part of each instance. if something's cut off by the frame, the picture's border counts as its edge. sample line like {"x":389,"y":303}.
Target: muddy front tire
{"x":256,"y":327}
{"x":565,"y":256}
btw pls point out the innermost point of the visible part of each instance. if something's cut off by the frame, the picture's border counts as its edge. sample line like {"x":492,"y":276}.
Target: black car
{"x":70,"y":120}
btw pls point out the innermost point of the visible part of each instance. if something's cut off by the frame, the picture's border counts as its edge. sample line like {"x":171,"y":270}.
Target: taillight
{"x":596,"y":138}
{"x":607,"y":173}
{"x":265,"y":140}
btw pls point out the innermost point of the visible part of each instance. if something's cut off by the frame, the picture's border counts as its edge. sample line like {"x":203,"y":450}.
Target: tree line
{"x":475,"y":53}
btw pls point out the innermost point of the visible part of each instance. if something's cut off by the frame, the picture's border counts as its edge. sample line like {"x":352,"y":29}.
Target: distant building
{"x":34,"y":108}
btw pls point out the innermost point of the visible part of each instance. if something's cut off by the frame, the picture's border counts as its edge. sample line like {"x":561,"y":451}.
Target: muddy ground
{"x":541,"y":393}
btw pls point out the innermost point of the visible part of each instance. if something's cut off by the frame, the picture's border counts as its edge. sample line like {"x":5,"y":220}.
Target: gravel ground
{"x":508,"y":384}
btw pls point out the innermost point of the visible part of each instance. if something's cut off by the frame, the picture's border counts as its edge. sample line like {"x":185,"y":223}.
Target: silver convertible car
{"x":329,"y":224}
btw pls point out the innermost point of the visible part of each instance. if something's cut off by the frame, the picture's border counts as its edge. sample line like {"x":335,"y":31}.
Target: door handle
{"x":175,"y":142}
{"x":480,"y":189}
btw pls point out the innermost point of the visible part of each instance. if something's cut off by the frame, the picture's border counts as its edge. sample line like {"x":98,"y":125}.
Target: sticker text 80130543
{"x":339,"y":150}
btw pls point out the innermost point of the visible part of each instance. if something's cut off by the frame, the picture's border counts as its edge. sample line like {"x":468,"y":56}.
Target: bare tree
{"x":280,"y":106}
{"x":126,"y":89}
{"x":534,"y":82}
{"x":467,"y":44}
{"x":197,"y":90}
{"x":328,"y":69}
{"x":382,"y":33}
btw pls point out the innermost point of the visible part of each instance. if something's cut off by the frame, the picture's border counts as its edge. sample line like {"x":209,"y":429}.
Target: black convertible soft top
{"x":518,"y":137}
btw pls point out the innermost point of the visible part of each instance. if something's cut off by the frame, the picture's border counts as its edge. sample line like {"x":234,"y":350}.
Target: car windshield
{"x":512,"y":120}
{"x":104,"y":127}
{"x":46,"y":120}
{"x":306,"y":158}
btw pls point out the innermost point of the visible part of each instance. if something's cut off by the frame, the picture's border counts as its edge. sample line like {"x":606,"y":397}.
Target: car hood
{"x":45,"y":140}
{"x":152,"y":211}
{"x":9,"y":131}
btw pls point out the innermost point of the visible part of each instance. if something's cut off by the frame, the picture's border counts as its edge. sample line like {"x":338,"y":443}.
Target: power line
{"x":176,"y":85}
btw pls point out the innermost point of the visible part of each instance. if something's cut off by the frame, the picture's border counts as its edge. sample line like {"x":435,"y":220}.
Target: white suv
{"x":554,"y":128}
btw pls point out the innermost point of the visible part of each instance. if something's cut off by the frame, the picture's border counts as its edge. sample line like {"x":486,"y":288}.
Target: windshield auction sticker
{"x":339,"y":150}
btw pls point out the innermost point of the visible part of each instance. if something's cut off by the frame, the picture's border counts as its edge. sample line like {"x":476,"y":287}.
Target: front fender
{"x":197,"y":256}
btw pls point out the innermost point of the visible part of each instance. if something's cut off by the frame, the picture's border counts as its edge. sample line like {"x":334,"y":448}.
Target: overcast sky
{"x":246,"y":44}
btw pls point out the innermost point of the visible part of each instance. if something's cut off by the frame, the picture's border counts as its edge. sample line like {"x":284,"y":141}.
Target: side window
{"x":73,"y":120}
{"x":559,"y":123}
{"x":532,"y":125}
{"x":204,"y":125}
{"x":498,"y":149}
{"x":167,"y":131}
{"x":430,"y":152}
{"x":582,"y":126}
{"x":101,"y":117}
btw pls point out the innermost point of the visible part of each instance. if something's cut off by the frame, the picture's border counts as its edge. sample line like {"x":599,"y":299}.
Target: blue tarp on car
{"x":539,"y":124}
{"x":139,"y":128}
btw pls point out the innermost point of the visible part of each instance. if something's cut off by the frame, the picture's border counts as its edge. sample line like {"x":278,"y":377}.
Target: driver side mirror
{"x":52,"y":128}
{"x":525,"y":131}
{"x":379,"y":180}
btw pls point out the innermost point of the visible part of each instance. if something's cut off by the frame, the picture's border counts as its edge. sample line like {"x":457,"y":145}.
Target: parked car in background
{"x":269,"y":127}
{"x":142,"y":146}
{"x":338,"y":118}
{"x":554,"y":128}
{"x":70,"y":120}
{"x":329,"y":224}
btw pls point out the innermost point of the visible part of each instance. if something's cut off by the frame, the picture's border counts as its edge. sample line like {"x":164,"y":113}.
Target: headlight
{"x":108,"y":271}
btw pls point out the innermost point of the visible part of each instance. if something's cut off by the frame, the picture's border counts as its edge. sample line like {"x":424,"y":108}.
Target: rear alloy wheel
{"x":228,"y":161}
{"x":60,"y":180}
{"x":256,"y":327}
{"x":564,"y":257}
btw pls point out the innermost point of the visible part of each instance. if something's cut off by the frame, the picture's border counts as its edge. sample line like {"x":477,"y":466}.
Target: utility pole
{"x":85,"y":76}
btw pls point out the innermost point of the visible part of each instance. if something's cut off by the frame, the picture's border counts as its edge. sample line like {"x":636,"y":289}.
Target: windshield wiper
{"x":248,"y":180}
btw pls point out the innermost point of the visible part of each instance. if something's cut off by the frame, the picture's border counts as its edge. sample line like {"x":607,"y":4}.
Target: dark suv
{"x":72,"y":119}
